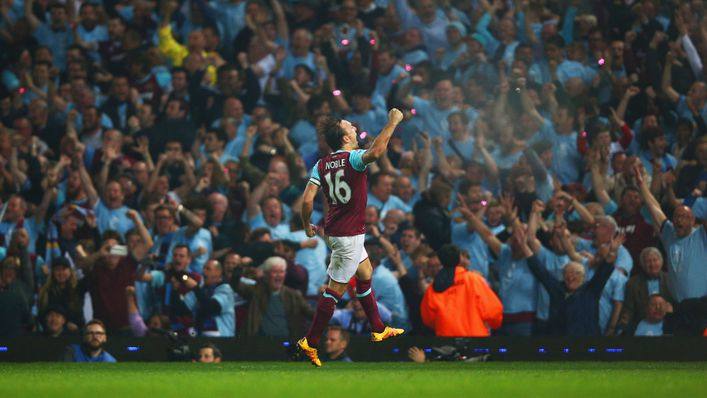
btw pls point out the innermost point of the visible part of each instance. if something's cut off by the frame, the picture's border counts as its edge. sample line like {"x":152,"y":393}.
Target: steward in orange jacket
{"x":459,"y":303}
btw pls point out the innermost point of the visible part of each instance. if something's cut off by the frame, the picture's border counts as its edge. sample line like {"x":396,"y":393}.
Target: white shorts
{"x":347,"y":252}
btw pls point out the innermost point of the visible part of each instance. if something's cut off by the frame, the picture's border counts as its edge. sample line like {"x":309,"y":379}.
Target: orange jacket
{"x":468,"y":308}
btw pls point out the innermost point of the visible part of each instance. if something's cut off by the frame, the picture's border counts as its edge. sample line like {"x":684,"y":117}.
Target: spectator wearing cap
{"x":54,"y":322}
{"x":91,"y":348}
{"x":460,"y":303}
{"x":452,"y":55}
{"x":64,"y":290}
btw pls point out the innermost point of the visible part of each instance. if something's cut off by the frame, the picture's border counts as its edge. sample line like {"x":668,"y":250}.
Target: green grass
{"x":390,"y":380}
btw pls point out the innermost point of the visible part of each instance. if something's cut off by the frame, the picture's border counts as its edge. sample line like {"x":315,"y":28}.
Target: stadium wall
{"x":40,"y":349}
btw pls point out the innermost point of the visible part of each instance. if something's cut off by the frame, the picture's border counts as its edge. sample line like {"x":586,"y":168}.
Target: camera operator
{"x":178,"y":299}
{"x":216,"y":311}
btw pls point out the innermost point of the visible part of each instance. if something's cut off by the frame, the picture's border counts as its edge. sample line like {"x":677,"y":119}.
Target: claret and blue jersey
{"x":342,"y":175}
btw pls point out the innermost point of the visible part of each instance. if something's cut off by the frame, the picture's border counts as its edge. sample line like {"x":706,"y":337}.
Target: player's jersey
{"x":342,"y":176}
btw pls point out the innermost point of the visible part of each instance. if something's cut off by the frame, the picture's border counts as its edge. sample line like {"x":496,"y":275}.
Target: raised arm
{"x":380,"y":143}
{"x":528,"y":105}
{"x":86,"y":183}
{"x":478,"y":225}
{"x":650,"y":200}
{"x":666,"y":84}
{"x":534,"y":221}
{"x":598,"y":185}
{"x":426,"y":163}
{"x":33,"y":21}
{"x":583,"y":212}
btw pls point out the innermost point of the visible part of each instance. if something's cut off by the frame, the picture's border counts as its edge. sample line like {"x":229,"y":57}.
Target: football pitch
{"x":390,"y":380}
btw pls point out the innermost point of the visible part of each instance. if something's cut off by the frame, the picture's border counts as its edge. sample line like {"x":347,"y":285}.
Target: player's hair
{"x":330,"y":128}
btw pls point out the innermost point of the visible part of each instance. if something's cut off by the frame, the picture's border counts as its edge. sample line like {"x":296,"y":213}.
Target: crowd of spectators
{"x":153,"y":155}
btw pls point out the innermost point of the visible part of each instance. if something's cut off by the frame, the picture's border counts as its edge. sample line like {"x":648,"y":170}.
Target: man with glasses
{"x":91,"y":349}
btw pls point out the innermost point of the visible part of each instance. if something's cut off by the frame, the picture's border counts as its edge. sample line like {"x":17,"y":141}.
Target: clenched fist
{"x":395,"y":116}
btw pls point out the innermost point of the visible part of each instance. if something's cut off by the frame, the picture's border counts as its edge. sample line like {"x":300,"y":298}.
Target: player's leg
{"x":342,"y":267}
{"x":364,"y":276}
{"x":364,"y":292}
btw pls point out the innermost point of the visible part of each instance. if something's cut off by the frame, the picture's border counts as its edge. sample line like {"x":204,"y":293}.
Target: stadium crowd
{"x":153,"y":156}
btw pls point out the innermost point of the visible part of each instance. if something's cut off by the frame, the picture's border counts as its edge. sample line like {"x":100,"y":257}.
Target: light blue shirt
{"x":567,"y":163}
{"x":58,"y":41}
{"x":314,"y":260}
{"x":385,"y":82}
{"x":392,"y":203}
{"x":519,"y":288}
{"x":646,"y":328}
{"x":613,"y":292}
{"x":434,"y":34}
{"x":623,"y":257}
{"x":372,"y":122}
{"x":112,"y":219}
{"x":29,"y":224}
{"x":226,"y":319}
{"x":277,"y":232}
{"x":388,"y":292}
{"x":434,"y":120}
{"x":202,"y":238}
{"x":474,"y":245}
{"x":687,"y":273}
{"x":555,"y":264}
{"x":98,"y":34}
{"x":303,"y":132}
{"x":291,"y":61}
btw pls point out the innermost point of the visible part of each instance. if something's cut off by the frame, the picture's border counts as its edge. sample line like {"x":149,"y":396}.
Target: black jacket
{"x":433,"y":221}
